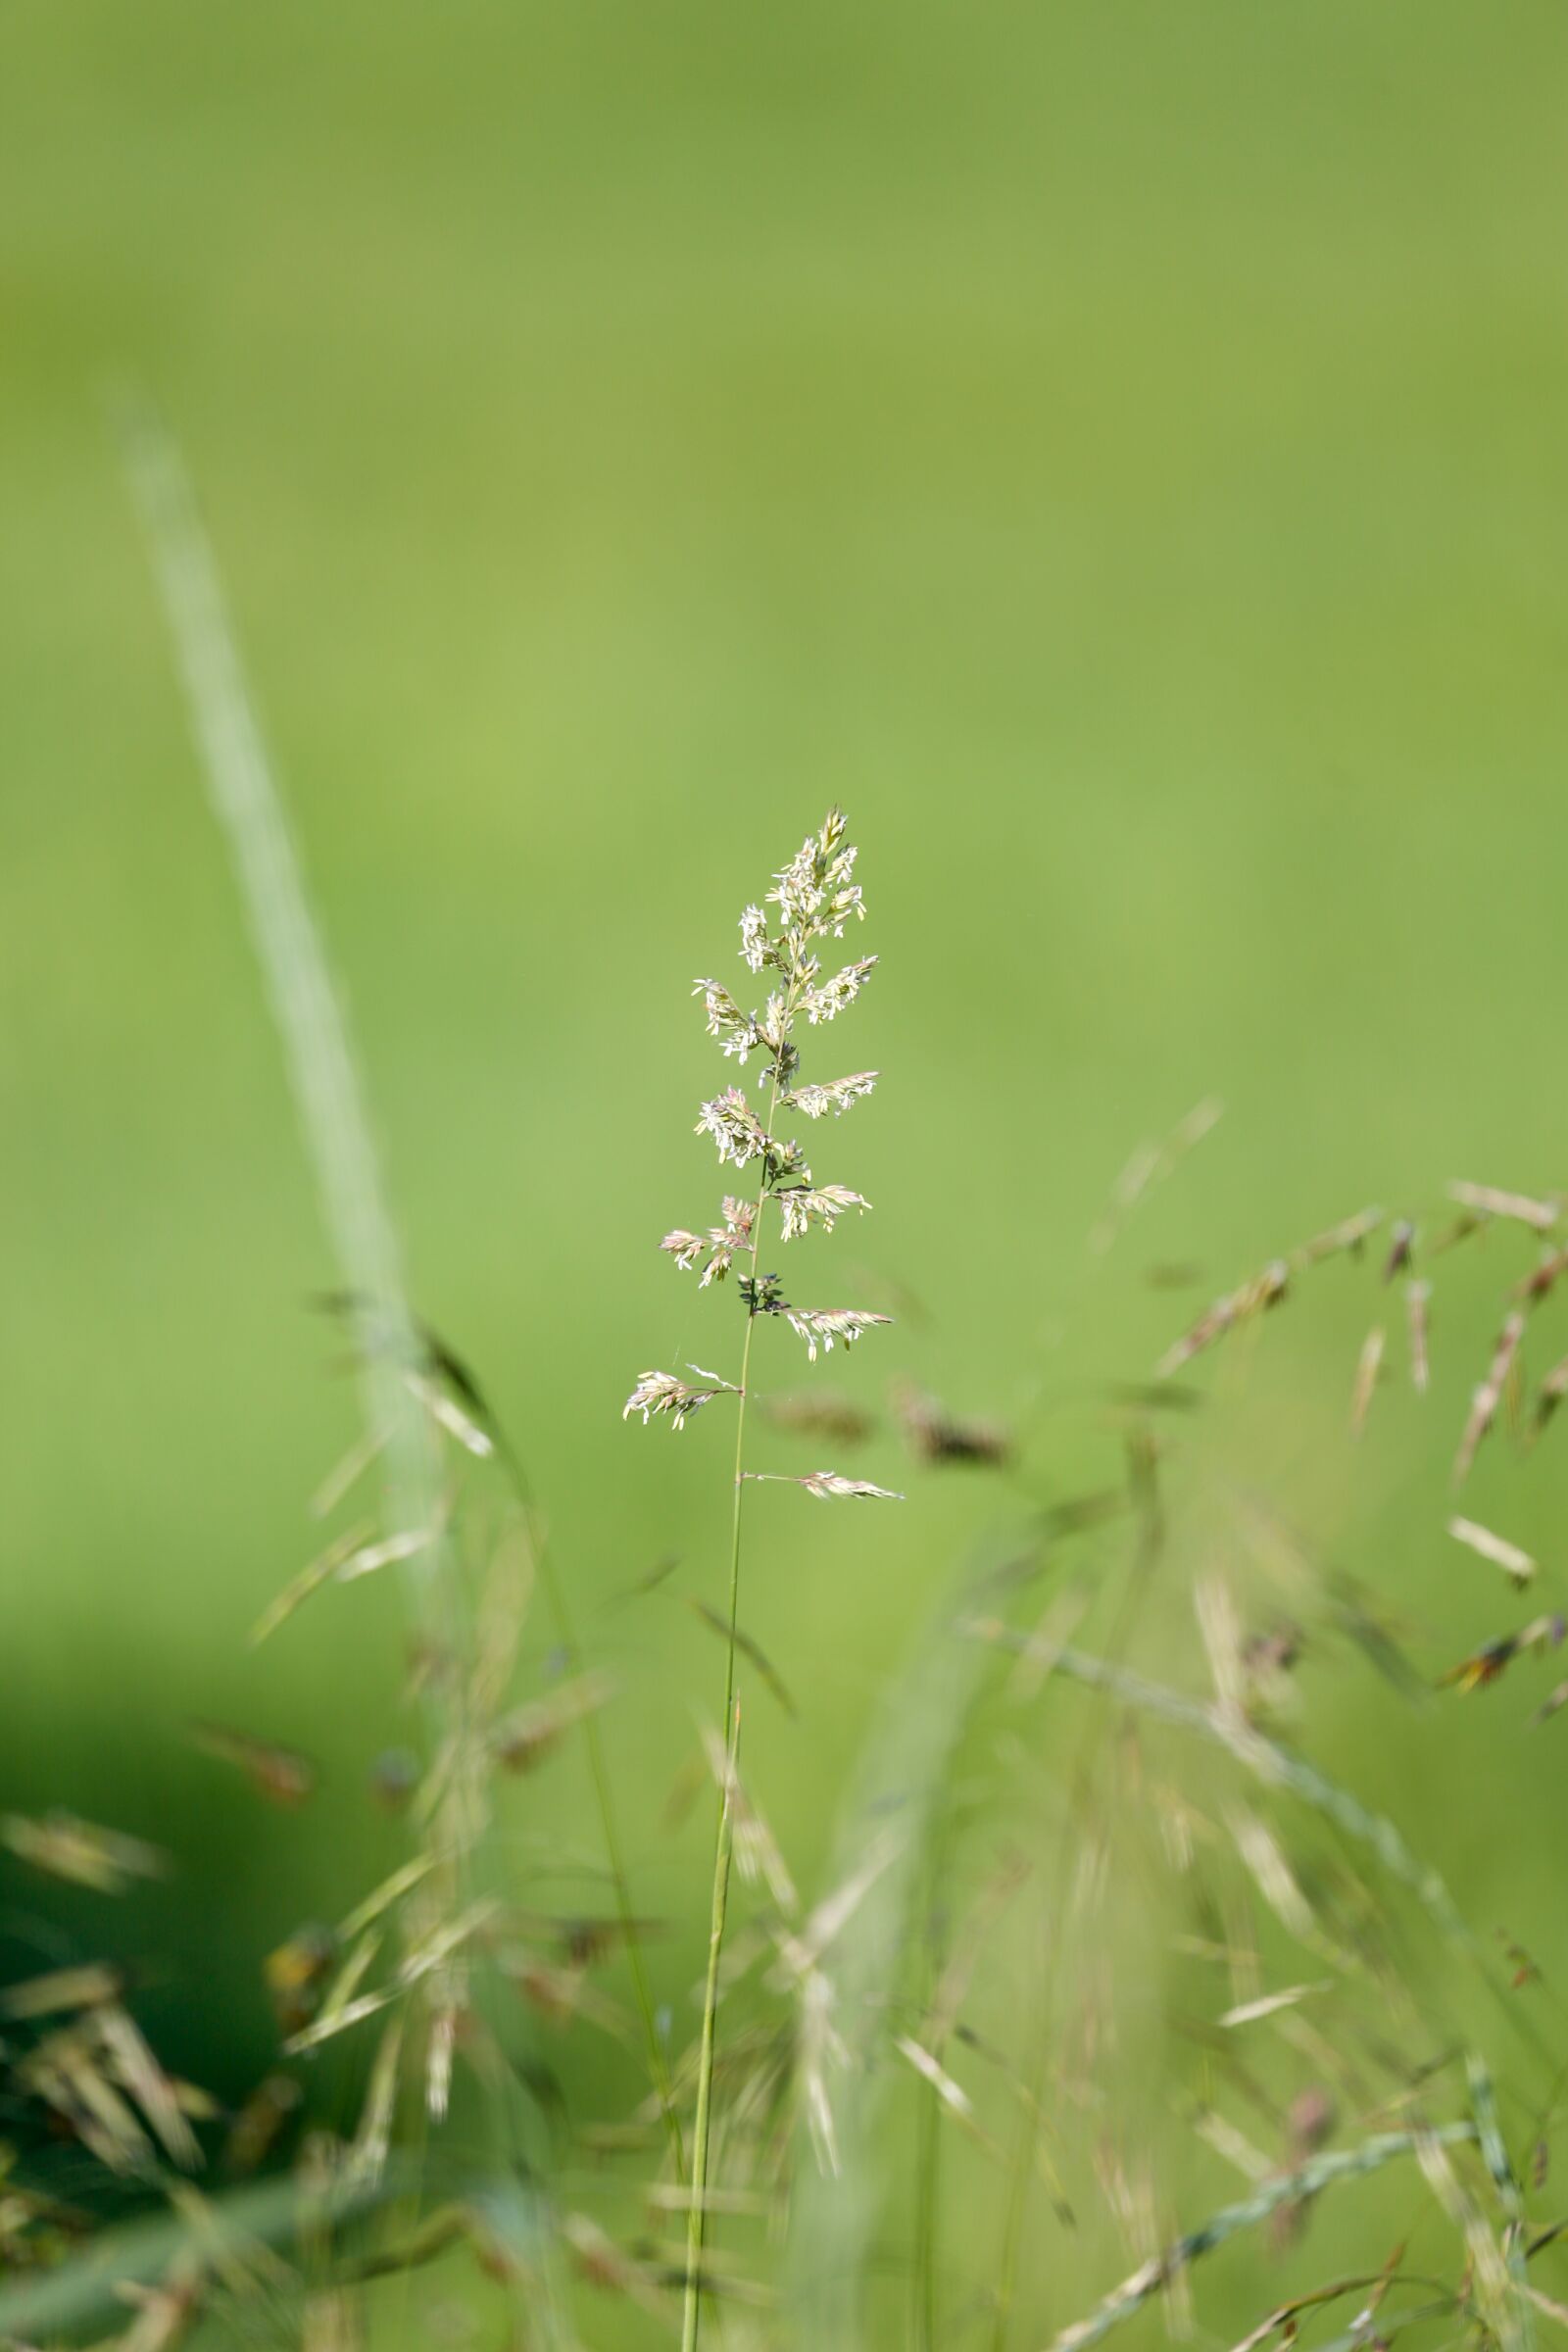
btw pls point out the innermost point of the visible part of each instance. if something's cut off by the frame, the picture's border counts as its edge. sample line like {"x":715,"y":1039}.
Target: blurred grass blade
{"x":249,"y":809}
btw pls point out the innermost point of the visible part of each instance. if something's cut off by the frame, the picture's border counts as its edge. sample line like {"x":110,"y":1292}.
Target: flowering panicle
{"x":737,"y":1031}
{"x":815,"y":893}
{"x":722,"y":1242}
{"x":804,"y":1204}
{"x":827,"y":1483}
{"x":829,"y":1323}
{"x":668,"y":1393}
{"x":734,"y":1127}
{"x":756,"y":946}
{"x":813,"y":898}
{"x":826,"y":999}
{"x":835,"y":1096}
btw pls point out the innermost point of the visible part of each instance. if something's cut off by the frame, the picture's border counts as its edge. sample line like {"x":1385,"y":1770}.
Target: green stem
{"x":696,"y":2217}
{"x":696,"y":2214}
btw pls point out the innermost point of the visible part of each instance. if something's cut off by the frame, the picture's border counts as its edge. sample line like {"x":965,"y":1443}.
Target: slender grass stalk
{"x":816,"y":897}
{"x":723,"y":1849}
{"x":696,"y":2219}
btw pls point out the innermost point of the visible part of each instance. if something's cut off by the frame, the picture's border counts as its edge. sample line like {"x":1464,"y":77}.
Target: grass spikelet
{"x":1254,"y":1297}
{"x":1268,"y":1288}
{"x":1267,"y":2004}
{"x":1347,"y":1239}
{"x":1369,"y":1365}
{"x":63,"y":1988}
{"x":1488,"y":1201}
{"x":128,"y":2056}
{"x":1418,"y":1325}
{"x":1515,"y":1564}
{"x":68,"y":1848}
{"x":827,"y":1486}
{"x":1488,"y":1662}
{"x":280,"y":1774}
{"x":1553,"y":1388}
{"x":1488,"y":1395}
{"x":374,"y":2138}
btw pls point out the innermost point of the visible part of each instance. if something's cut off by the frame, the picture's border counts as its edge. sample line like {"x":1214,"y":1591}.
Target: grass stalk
{"x":691,"y":2300}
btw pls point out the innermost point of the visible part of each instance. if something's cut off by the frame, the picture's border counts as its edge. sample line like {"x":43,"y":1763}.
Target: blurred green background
{"x":1115,"y":450}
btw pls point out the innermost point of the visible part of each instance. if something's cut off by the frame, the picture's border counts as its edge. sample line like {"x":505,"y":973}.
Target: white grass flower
{"x":816,"y":892}
{"x":733,"y":1126}
{"x":737,"y":1031}
{"x":735,"y":1236}
{"x":827,"y":1483}
{"x":722,"y":1242}
{"x":804,"y":1204}
{"x":834,"y":1094}
{"x":756,"y":946}
{"x":825,"y":1001}
{"x":668,"y":1393}
{"x":826,"y":1324}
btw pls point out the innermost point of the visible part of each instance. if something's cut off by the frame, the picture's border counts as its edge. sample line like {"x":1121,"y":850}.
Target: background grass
{"x":1115,"y":450}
